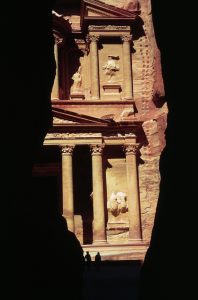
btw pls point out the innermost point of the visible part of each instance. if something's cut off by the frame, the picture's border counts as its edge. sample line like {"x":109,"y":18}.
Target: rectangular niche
{"x":110,"y":69}
{"x":117,"y":225}
{"x":111,"y":91}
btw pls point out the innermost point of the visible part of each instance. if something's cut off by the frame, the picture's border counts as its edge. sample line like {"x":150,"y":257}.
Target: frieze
{"x":130,"y":134}
{"x":120,"y":135}
{"x":66,"y":135}
{"x":108,"y":28}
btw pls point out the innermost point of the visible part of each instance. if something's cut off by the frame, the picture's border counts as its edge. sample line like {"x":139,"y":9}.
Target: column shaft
{"x":127,"y":66}
{"x":133,"y":194}
{"x":95,"y":92}
{"x":67,"y":186}
{"x":99,"y":230}
{"x":55,"y":89}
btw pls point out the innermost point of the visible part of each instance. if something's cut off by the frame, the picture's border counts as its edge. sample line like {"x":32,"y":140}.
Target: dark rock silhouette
{"x":39,"y":256}
{"x":166,"y":268}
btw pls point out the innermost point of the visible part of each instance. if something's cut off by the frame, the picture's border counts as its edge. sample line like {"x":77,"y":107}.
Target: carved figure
{"x":77,"y":78}
{"x":110,"y":67}
{"x":117,"y":203}
{"x":121,"y":199}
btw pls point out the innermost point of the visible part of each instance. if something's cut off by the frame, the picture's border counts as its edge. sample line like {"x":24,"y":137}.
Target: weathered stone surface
{"x":148,"y":88}
{"x":147,"y":105}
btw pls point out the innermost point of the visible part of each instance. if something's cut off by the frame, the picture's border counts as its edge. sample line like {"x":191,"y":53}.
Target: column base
{"x":100,"y":242}
{"x":135,"y":240}
{"x":77,"y":96}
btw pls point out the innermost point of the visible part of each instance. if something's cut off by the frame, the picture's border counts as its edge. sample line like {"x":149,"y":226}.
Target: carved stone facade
{"x":109,"y":122}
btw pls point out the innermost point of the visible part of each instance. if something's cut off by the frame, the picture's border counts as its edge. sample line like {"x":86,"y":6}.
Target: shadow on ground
{"x":115,"y":280}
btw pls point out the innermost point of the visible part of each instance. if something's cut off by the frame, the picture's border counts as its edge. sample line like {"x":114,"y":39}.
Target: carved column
{"x":55,"y":89}
{"x":133,"y":193}
{"x":67,"y":185}
{"x":95,"y":90}
{"x":127,"y":67}
{"x":99,"y":230}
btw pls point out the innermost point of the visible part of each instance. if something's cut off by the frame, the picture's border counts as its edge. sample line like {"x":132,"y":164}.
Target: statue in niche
{"x":117,"y":203}
{"x":111,"y":67}
{"x":77,"y":78}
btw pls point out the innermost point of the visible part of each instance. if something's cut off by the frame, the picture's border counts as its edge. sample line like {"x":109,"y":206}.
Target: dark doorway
{"x":82,"y":171}
{"x":45,"y":195}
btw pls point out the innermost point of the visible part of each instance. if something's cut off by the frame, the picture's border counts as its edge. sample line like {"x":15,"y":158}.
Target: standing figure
{"x":88,"y":260}
{"x":98,"y":261}
{"x":77,"y":78}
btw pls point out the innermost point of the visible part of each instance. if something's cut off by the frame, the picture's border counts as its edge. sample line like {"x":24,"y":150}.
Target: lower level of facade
{"x":92,"y":179}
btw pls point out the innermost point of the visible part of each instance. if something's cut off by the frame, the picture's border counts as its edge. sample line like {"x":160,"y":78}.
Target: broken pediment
{"x":94,"y":8}
{"x":65,"y":117}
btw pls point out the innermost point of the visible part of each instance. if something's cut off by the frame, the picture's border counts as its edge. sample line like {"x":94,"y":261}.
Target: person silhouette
{"x":88,"y":260}
{"x":98,"y":261}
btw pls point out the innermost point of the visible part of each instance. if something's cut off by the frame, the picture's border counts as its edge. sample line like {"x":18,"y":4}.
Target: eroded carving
{"x":117,"y":203}
{"x":111,"y":67}
{"x":77,"y":81}
{"x":108,"y":27}
{"x":63,"y":136}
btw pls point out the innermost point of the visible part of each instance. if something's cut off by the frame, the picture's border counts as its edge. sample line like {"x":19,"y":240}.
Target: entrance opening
{"x":83,"y":206}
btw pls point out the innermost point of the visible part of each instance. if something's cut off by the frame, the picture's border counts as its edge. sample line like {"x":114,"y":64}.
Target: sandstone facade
{"x":108,"y":103}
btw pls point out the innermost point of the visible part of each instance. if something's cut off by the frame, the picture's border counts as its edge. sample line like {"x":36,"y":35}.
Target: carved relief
{"x":66,"y":135}
{"x":117,"y":203}
{"x":77,"y":81}
{"x":108,"y":27}
{"x":111,"y":67}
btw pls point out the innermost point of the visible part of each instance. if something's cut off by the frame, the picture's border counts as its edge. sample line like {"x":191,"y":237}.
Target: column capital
{"x":131,"y":149}
{"x":67,"y":149}
{"x":126,"y":37}
{"x":97,"y":149}
{"x":93,"y":37}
